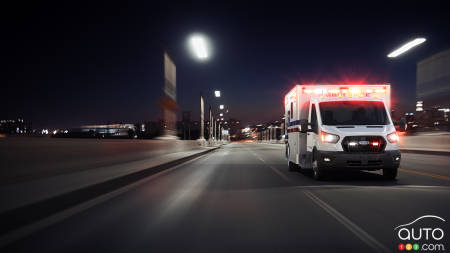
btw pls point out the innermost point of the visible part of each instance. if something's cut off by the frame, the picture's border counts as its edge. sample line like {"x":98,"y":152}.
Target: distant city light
{"x":198,"y":45}
{"x":217,"y":93}
{"x":406,"y":47}
{"x":221,"y":107}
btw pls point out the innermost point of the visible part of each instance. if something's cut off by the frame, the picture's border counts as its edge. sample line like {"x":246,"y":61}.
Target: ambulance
{"x":336,"y":128}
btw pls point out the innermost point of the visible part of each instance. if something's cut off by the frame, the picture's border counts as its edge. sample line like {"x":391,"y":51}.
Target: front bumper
{"x":335,"y":160}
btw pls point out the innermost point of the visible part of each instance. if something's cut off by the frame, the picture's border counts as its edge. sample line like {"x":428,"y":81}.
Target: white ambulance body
{"x":341,"y":127}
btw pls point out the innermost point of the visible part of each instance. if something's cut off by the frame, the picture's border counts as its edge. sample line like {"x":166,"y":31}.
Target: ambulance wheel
{"x":390,"y":173}
{"x":292,"y":166}
{"x":318,"y":174}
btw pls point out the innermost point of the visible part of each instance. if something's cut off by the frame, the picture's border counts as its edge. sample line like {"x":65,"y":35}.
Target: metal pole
{"x":210,"y":124}
{"x":220,"y":133}
{"x":215,"y":132}
{"x":202,"y":119}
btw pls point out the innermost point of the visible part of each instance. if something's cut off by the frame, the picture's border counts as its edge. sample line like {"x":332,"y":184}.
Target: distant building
{"x":14,"y":126}
{"x":433,"y":80}
{"x":235,"y":127}
{"x":433,"y":91}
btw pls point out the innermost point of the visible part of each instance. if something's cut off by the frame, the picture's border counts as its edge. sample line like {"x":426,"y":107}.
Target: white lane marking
{"x":355,"y":229}
{"x":277,"y":171}
{"x":67,"y":213}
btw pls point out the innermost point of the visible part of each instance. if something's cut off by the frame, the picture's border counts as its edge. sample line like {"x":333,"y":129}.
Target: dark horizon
{"x":68,"y":65}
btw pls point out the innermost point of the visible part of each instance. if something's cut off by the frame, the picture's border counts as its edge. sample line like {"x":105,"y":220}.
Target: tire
{"x":292,"y":166}
{"x":390,"y":173}
{"x":318,"y":174}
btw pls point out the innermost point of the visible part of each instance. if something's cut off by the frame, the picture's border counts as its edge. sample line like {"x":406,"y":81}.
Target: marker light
{"x":329,"y":138}
{"x":333,"y":91}
{"x":352,"y":144}
{"x":380,"y":90}
{"x":318,"y":91}
{"x":393,"y":137}
{"x":355,"y":91}
{"x":375,"y":144}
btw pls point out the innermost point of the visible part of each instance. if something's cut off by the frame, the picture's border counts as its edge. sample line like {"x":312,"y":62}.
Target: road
{"x":242,"y":198}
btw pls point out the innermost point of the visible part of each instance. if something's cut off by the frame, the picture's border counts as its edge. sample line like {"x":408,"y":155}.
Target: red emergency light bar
{"x":377,"y":91}
{"x":346,"y":92}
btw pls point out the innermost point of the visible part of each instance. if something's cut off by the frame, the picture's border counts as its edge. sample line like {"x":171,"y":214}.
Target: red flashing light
{"x":351,"y":92}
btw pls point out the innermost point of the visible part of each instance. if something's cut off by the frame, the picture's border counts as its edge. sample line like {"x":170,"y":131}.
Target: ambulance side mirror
{"x":304,"y":126}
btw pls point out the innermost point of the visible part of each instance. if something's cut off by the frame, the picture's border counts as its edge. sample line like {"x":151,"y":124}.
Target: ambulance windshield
{"x":336,"y":113}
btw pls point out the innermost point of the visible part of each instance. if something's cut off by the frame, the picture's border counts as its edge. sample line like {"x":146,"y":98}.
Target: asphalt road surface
{"x":242,"y":198}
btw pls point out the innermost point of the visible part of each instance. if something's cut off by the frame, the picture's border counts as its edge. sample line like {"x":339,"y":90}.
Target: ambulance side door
{"x":304,"y":115}
{"x":314,"y":133}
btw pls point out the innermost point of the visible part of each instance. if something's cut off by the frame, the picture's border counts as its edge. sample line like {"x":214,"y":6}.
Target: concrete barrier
{"x":439,"y":143}
{"x":46,"y":175}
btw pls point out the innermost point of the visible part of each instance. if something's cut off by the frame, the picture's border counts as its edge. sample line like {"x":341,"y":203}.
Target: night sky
{"x":74,"y":63}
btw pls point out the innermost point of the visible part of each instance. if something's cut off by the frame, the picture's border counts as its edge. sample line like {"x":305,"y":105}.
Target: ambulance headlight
{"x":329,"y":138}
{"x":392,"y":137}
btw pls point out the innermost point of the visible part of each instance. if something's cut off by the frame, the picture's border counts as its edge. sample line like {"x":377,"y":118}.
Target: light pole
{"x":202,"y":119}
{"x":200,"y":49}
{"x":403,"y":49}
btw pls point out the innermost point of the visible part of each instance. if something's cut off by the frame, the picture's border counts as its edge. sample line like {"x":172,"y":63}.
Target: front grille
{"x":374,"y":163}
{"x":370,"y":163}
{"x":363,"y":144}
{"x":354,"y":163}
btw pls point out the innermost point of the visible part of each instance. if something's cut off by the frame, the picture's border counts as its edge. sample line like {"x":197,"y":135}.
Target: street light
{"x":406,"y":47}
{"x":221,"y":107}
{"x":217,"y":93}
{"x":199,"y":46}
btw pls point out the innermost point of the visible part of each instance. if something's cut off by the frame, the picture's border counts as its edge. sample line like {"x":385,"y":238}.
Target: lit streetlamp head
{"x":199,"y":46}
{"x":221,"y":107}
{"x":217,"y":93}
{"x":406,"y":47}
